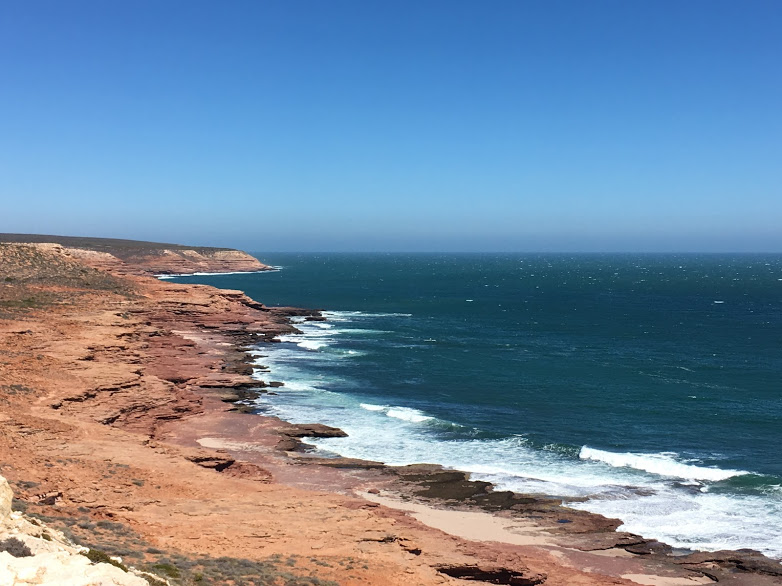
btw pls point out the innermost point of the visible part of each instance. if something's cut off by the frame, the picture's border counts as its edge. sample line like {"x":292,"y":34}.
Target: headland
{"x":124,"y":430}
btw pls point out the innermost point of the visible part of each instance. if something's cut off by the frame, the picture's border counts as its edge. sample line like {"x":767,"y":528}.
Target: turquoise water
{"x":649,"y":384}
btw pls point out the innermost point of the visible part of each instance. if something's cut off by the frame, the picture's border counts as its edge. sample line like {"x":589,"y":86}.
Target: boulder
{"x":311,"y":430}
{"x":739,"y":561}
{"x":493,"y":573}
{"x":6,"y":496}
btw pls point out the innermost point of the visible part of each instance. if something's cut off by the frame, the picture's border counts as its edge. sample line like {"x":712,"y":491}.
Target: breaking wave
{"x":662,"y":464}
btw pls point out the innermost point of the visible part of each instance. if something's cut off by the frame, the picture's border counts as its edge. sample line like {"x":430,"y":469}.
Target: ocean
{"x":647,"y":386}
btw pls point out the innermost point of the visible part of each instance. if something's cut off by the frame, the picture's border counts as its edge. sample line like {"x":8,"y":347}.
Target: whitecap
{"x":311,"y":344}
{"x":408,"y":414}
{"x":403,"y":413}
{"x":218,"y":274}
{"x":347,"y":315}
{"x":661,"y":464}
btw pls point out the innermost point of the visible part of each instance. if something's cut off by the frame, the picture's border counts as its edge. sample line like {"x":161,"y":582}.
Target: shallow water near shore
{"x":647,"y":384}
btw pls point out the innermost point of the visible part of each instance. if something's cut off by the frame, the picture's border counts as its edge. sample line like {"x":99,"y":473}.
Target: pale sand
{"x":649,"y":580}
{"x":482,"y":526}
{"x":217,"y":443}
{"x":476,"y":526}
{"x":612,"y":552}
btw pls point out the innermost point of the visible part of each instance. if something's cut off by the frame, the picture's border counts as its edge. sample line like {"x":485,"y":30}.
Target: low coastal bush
{"x":182,"y":571}
{"x":101,"y":557}
{"x":15,"y":547}
{"x":166,"y":569}
{"x":110,"y":538}
{"x":19,"y":505}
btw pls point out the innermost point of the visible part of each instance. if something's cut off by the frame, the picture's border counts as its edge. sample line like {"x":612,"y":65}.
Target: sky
{"x":404,"y":125}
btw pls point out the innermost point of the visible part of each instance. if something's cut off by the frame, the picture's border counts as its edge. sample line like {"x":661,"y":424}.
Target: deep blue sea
{"x":650,"y":384}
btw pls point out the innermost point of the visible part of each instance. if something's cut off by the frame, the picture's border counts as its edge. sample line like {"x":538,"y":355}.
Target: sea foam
{"x":403,"y":413}
{"x":178,"y":275}
{"x":662,"y":464}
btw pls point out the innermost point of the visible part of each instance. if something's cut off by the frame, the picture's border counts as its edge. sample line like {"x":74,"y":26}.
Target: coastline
{"x":190,"y":342}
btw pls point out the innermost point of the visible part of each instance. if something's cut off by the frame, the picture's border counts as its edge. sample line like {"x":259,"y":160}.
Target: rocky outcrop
{"x":6,"y":497}
{"x":291,"y":442}
{"x":219,"y":461}
{"x":311,"y":430}
{"x":32,"y":553}
{"x":175,"y":262}
{"x":721,"y":565}
{"x":492,"y":574}
{"x":145,"y":257}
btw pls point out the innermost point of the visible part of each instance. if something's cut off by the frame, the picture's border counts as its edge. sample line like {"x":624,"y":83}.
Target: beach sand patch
{"x":475,"y":526}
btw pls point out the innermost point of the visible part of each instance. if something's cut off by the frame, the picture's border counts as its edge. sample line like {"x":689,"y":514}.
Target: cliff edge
{"x":153,"y":258}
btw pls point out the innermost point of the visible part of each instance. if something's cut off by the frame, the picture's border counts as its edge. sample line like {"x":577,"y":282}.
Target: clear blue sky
{"x":395,"y":125}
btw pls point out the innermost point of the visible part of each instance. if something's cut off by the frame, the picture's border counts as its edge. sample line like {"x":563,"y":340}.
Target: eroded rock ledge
{"x":121,"y":421}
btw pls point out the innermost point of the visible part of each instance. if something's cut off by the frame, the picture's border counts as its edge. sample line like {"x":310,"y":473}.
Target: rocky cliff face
{"x":145,"y":257}
{"x":32,"y":553}
{"x":175,"y":262}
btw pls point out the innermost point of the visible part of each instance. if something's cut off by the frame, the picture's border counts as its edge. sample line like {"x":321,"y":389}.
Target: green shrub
{"x":99,"y":557}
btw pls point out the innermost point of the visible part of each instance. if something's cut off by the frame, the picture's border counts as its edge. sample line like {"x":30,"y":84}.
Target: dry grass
{"x":116,"y":246}
{"x":34,"y":278}
{"x":107,"y":539}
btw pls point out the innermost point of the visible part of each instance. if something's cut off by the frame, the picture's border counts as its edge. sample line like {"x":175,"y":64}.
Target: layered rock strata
{"x":121,"y":422}
{"x":133,"y":256}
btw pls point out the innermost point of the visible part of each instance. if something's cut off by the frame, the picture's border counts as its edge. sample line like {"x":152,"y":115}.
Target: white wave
{"x":694,"y":520}
{"x":663,"y":464}
{"x":402,"y":413}
{"x":311,"y":344}
{"x":348,"y":315}
{"x":310,"y":332}
{"x":315,"y":336}
{"x":200,"y":274}
{"x":299,"y":386}
{"x":408,"y":414}
{"x":361,"y":332}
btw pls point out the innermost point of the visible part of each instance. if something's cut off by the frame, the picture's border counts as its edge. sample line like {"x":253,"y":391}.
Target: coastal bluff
{"x":151,"y":258}
{"x":127,"y":427}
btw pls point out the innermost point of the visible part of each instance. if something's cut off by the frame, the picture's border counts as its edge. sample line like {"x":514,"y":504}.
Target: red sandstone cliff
{"x":147,"y":257}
